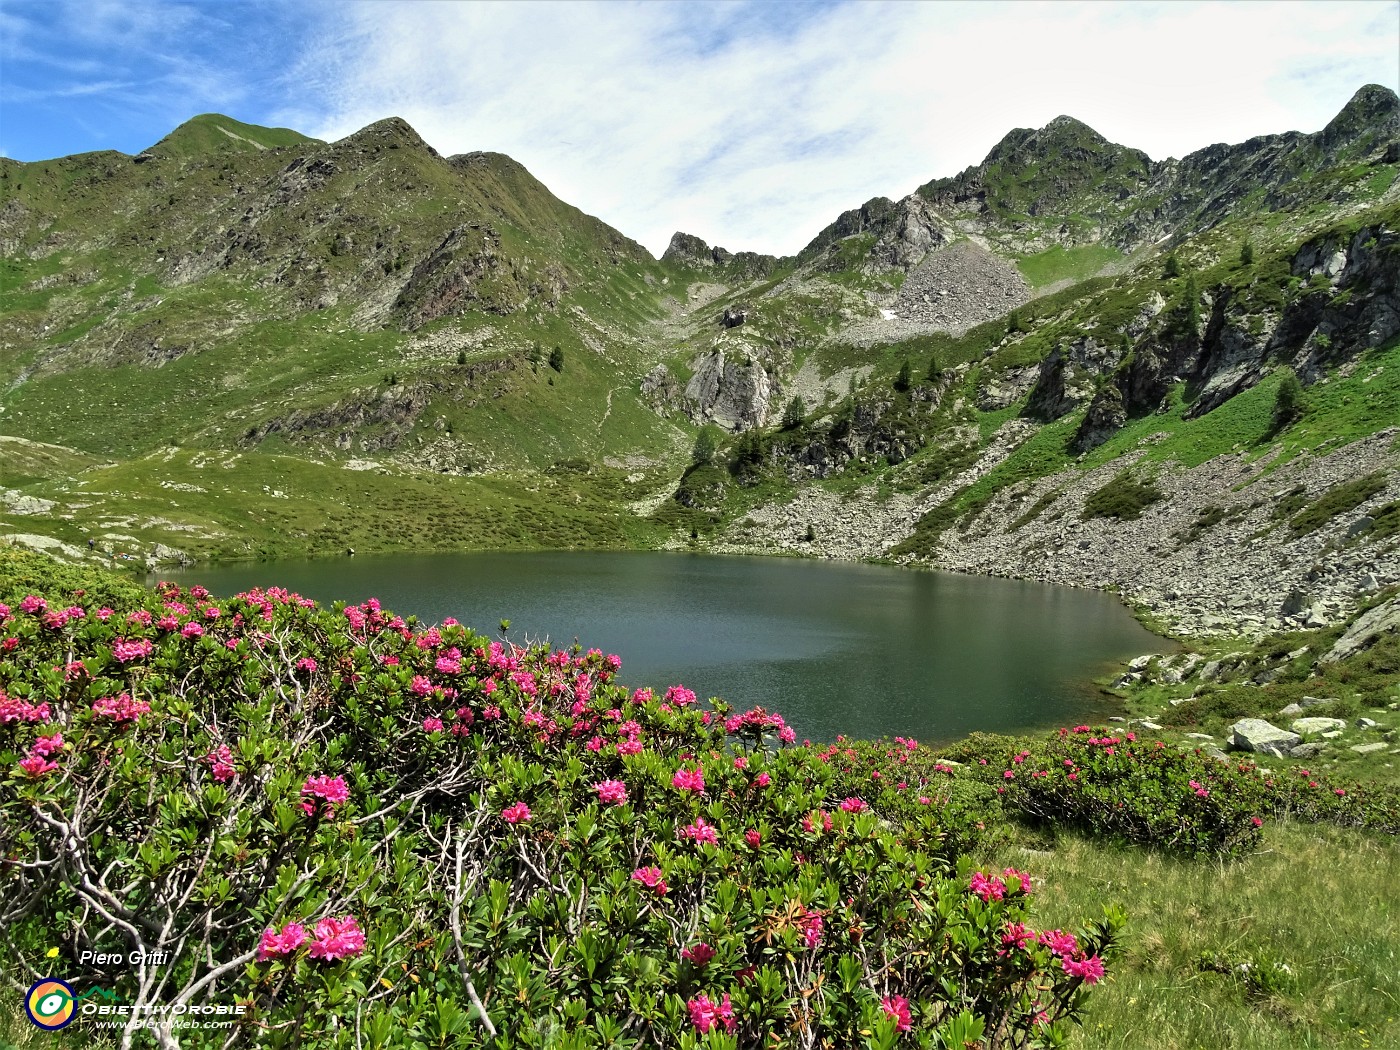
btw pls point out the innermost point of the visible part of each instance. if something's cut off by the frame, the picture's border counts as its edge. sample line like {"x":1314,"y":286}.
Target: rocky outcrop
{"x":688,"y":250}
{"x":1069,"y":376}
{"x":660,"y":390}
{"x":1005,"y":388}
{"x":466,"y":271}
{"x":1106,"y":415}
{"x":1371,"y":625}
{"x":382,"y":419}
{"x":730,"y":387}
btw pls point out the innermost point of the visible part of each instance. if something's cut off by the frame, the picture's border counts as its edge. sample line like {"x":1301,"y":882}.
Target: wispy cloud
{"x":754,"y":124}
{"x":751,"y":124}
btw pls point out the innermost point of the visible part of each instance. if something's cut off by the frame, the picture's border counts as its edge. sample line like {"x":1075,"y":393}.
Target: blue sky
{"x":749,"y":124}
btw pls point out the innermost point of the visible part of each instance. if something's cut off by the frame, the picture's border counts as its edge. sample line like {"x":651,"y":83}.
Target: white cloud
{"x":755,"y":125}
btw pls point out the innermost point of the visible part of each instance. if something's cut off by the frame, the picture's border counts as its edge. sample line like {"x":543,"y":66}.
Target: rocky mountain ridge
{"x":912,"y":385}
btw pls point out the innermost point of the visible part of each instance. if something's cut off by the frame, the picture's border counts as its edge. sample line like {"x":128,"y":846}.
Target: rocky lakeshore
{"x":1243,"y":573}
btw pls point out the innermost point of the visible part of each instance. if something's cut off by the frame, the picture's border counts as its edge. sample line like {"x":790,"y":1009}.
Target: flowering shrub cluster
{"x":376,"y":832}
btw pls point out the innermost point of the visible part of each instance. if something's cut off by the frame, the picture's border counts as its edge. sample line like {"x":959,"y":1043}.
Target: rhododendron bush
{"x":376,"y":832}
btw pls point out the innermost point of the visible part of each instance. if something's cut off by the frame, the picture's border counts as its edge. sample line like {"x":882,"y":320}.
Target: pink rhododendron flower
{"x":705,"y":1015}
{"x":854,"y":805}
{"x":595,"y":744}
{"x":37,"y":766}
{"x":1017,"y":935}
{"x":124,"y":651}
{"x":689,"y":779}
{"x":897,"y":1006}
{"x":1090,"y":969}
{"x":679,"y":695}
{"x":811,"y":928}
{"x":432,"y":725}
{"x":1012,"y":873}
{"x":753,"y":837}
{"x":763,"y":780}
{"x":14,"y":709}
{"x":307,"y":664}
{"x":700,"y":955}
{"x":700,"y":831}
{"x":121,"y":708}
{"x":420,"y":686}
{"x":192,"y":630}
{"x":516,"y":813}
{"x":273,"y":945}
{"x":989,"y":889}
{"x":652,"y":879}
{"x":332,"y":790}
{"x":1200,"y":791}
{"x":613,"y":792}
{"x":1060,"y":943}
{"x":221,"y":763}
{"x":47,"y":745}
{"x":630,"y":747}
{"x":787,"y":735}
{"x":32,"y":603}
{"x":337,"y":939}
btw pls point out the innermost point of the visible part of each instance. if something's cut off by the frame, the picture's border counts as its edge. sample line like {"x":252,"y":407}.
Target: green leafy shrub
{"x":372,"y":832}
{"x":1124,"y":497}
{"x":1145,"y":793}
{"x":1339,"y":499}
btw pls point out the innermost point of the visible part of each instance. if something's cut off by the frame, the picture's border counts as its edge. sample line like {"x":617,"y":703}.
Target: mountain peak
{"x":1369,"y":119}
{"x":389,"y":133}
{"x":213,"y":133}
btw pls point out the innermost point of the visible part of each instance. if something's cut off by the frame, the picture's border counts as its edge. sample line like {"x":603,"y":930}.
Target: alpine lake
{"x":835,"y":647}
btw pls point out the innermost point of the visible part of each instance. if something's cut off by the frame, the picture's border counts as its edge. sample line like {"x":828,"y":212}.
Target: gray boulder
{"x":1367,"y":749}
{"x":1257,"y":735}
{"x":1318,"y":725}
{"x":1311,"y":750}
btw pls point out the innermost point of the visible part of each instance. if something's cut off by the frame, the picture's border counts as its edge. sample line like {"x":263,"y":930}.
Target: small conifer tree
{"x":556,"y":359}
{"x":1290,"y":403}
{"x":1172,"y":268}
{"x":905,"y":378}
{"x":705,"y":447}
{"x":1247,"y":253}
{"x":794,"y":413}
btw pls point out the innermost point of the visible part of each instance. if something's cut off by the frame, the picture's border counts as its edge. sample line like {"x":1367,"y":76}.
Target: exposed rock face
{"x":382,"y":419}
{"x":1068,"y":376}
{"x":729,"y":387}
{"x":660,"y":390}
{"x":734,"y":316}
{"x":686,"y":249}
{"x":1105,"y":417}
{"x":466,"y":271}
{"x":914,"y":230}
{"x":1006,"y":388}
{"x":960,"y":286}
{"x":1381,"y":620}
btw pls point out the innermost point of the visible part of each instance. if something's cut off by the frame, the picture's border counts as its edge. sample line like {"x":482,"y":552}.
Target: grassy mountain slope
{"x":304,"y":308}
